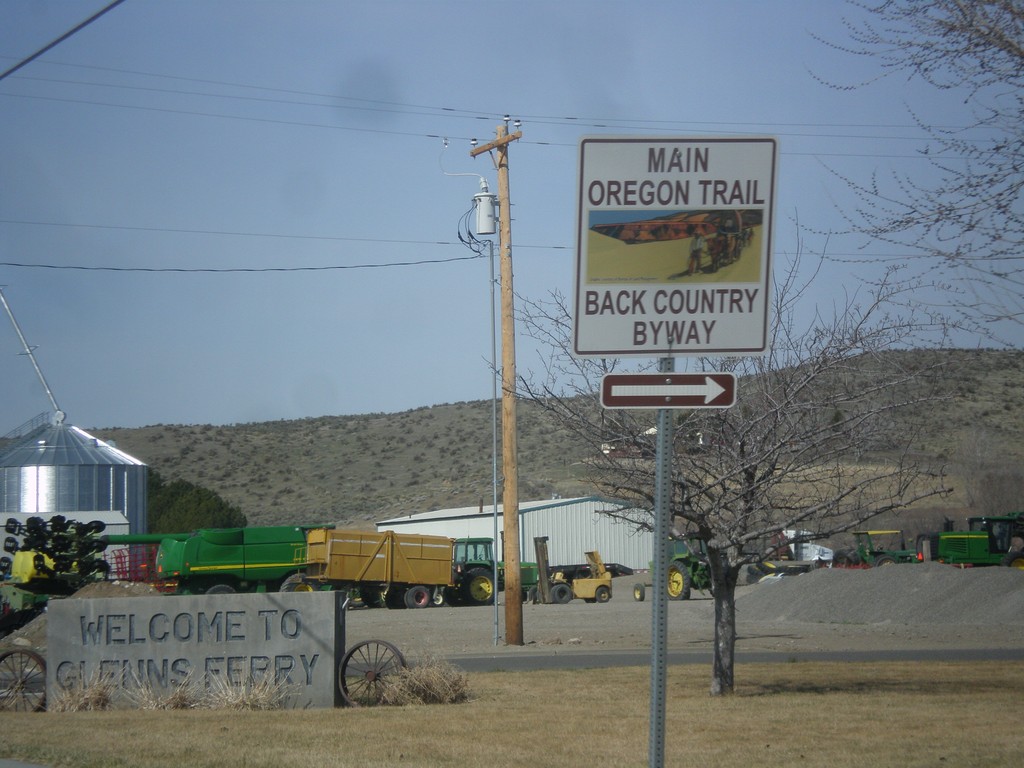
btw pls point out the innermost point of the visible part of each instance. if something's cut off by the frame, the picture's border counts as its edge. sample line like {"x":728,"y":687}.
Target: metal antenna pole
{"x":57,"y":412}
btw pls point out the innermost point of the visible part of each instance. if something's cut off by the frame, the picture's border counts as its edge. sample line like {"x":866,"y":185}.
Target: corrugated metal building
{"x":573,"y":526}
{"x":62,"y":469}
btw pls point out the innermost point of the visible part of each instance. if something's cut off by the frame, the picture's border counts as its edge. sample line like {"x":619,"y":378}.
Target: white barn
{"x":573,"y":526}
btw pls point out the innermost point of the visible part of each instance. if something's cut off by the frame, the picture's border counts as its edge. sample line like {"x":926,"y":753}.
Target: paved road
{"x":600,"y":659}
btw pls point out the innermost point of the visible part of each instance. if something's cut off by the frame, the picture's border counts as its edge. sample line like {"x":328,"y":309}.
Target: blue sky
{"x":249,"y":134}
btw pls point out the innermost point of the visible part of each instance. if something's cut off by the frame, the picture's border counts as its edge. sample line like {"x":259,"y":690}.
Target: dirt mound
{"x":926,"y":593}
{"x":116,"y":589}
{"x":33,"y":634}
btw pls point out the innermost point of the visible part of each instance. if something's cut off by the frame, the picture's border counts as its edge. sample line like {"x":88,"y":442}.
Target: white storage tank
{"x":61,"y":469}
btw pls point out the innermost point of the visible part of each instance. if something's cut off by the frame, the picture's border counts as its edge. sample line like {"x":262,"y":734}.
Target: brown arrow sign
{"x":668,"y":390}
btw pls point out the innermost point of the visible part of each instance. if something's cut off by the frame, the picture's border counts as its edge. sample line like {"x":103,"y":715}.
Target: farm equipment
{"x":989,"y":540}
{"x":798,"y":552}
{"x":225,"y":560}
{"x":381,"y":568}
{"x":474,"y":573}
{"x":593,"y":585}
{"x":875,"y":549}
{"x":18,"y":606}
{"x":687,"y":570}
{"x":398,"y":570}
{"x":132,"y":557}
{"x":559,"y":584}
{"x":52,"y":559}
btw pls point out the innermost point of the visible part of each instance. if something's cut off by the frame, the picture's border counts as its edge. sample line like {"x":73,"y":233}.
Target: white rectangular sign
{"x":674,"y":246}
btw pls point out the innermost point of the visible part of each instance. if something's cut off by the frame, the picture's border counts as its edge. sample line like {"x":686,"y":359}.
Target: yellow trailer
{"x":399,"y":568}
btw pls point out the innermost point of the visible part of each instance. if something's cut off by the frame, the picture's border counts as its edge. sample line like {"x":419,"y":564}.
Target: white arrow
{"x":709,"y":390}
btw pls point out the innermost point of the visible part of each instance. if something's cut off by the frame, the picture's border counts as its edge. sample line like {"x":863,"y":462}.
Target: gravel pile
{"x":926,"y":593}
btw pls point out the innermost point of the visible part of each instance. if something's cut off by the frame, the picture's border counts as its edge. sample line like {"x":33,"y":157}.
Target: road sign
{"x":668,"y":390}
{"x":673,"y":246}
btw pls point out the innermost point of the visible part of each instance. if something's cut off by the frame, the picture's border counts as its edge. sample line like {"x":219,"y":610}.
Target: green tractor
{"x":474,"y":573}
{"x":875,"y":549}
{"x":687,"y":570}
{"x":989,"y":540}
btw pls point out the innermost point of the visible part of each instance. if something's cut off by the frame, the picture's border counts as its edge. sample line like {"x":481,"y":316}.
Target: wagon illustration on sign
{"x":679,"y":245}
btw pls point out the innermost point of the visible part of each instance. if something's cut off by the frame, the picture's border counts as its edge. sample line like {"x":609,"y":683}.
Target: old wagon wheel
{"x":362,"y":673}
{"x":22,"y":681}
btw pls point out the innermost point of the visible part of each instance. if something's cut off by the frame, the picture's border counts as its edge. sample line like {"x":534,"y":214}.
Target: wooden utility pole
{"x":509,"y":442}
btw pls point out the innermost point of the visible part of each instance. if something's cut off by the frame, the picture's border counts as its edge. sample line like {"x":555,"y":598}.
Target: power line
{"x":231,"y":270}
{"x":382,"y":132}
{"x":60,"y":39}
{"x":229,"y":233}
{"x":860,"y":257}
{"x":195,"y":113}
{"x":589,"y":121}
{"x":449,"y":112}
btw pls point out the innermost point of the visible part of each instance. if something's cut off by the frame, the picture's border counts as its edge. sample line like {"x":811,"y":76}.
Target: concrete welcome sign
{"x":292,"y":639}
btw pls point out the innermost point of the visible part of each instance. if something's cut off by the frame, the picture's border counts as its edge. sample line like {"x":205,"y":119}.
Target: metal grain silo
{"x":60,"y":469}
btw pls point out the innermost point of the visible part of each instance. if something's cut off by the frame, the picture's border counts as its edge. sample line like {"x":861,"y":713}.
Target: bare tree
{"x":819,"y":440}
{"x":963,"y":224}
{"x":993,"y":484}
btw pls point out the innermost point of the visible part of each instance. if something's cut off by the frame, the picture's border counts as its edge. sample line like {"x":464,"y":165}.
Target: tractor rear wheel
{"x":603,"y":594}
{"x":679,"y":582}
{"x":296,"y":583}
{"x":478,"y":587}
{"x":1014,"y":559}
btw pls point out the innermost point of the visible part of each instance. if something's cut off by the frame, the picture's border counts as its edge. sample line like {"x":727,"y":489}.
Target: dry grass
{"x":98,"y":694}
{"x":432,"y":681}
{"x":814,"y":714}
{"x":253,"y":695}
{"x":105,"y":693}
{"x":188,"y":695}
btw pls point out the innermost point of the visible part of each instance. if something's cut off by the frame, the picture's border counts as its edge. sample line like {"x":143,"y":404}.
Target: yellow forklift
{"x":591,"y":583}
{"x":597,"y":587}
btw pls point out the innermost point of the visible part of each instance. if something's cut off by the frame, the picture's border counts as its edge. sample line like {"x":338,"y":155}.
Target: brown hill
{"x":362,"y":468}
{"x":357,"y":468}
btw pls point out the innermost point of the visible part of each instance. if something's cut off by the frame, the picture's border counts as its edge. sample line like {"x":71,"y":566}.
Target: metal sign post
{"x":659,"y":614}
